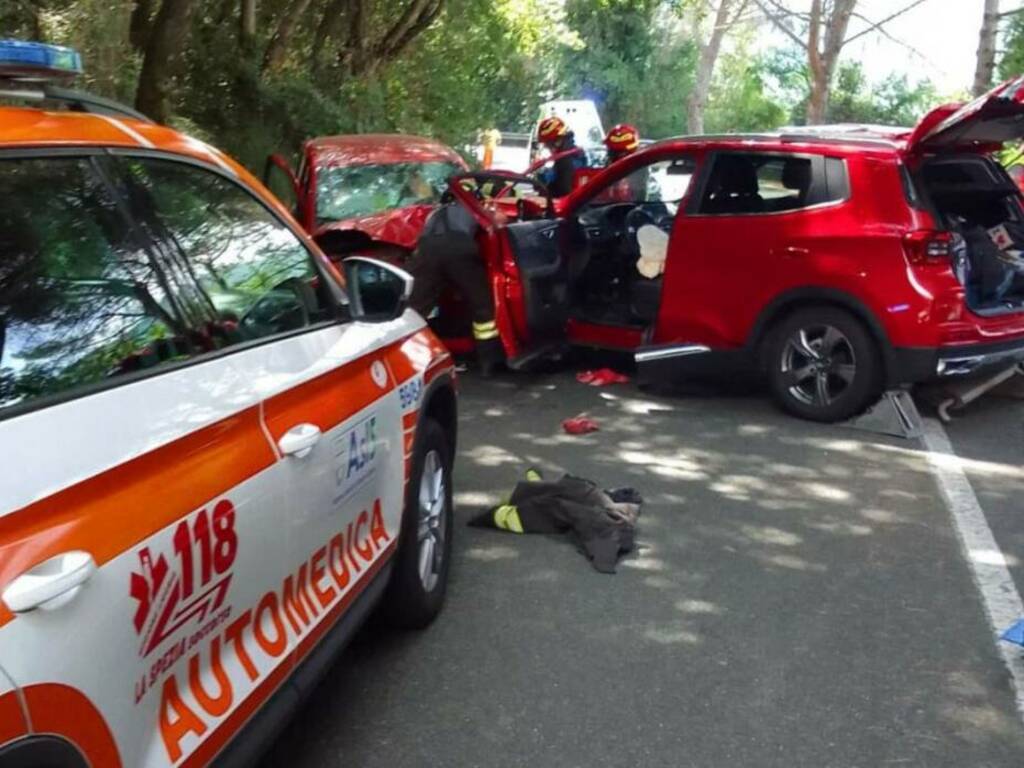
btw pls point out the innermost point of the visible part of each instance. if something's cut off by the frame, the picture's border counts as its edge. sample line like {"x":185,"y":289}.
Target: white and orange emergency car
{"x":217,"y":454}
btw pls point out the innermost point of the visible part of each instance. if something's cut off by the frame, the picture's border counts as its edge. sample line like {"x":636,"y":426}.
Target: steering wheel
{"x":277,"y":311}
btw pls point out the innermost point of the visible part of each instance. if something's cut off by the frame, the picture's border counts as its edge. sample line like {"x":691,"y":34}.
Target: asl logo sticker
{"x":189,"y":585}
{"x":355,"y":454}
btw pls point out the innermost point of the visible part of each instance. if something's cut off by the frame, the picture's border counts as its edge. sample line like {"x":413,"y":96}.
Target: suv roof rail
{"x":73,"y":100}
{"x":876,"y":129}
{"x":795,"y":136}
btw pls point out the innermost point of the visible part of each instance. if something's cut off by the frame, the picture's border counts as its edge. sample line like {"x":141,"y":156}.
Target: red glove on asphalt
{"x":579,"y":425}
{"x":601,"y":377}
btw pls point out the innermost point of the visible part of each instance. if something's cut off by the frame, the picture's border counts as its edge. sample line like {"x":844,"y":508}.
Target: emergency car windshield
{"x":348,"y":192}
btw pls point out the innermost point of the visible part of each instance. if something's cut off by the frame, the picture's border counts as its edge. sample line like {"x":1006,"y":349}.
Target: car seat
{"x":734,"y":187}
{"x":796,"y":175}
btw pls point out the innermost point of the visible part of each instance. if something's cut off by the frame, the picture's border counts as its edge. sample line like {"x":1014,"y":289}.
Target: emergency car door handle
{"x":51,"y":584}
{"x":299,"y":440}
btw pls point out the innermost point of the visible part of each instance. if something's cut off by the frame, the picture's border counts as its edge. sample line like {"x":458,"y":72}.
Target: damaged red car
{"x":371,"y":187}
{"x":839,"y":261}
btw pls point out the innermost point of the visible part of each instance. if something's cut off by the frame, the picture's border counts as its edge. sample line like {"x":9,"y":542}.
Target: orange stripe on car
{"x":112,"y":511}
{"x":12,"y":719}
{"x":63,"y":710}
{"x":206,"y":751}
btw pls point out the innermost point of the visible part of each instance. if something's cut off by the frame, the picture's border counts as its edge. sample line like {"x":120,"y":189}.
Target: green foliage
{"x":893,"y":101}
{"x":740,"y":99}
{"x":1012,"y":62}
{"x":629,"y":61}
{"x":479,"y":64}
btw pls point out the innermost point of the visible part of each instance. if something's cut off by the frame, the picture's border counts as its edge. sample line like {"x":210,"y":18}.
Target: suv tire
{"x":416,"y":592}
{"x":823,"y":364}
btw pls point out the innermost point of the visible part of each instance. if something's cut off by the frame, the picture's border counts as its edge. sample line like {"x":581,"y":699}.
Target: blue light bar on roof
{"x":38,"y":61}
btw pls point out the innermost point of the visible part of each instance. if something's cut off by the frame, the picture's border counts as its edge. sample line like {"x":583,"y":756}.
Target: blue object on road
{"x":1015,"y":634}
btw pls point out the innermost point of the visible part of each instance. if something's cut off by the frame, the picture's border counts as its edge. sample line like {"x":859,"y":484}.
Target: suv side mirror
{"x":377,"y":291}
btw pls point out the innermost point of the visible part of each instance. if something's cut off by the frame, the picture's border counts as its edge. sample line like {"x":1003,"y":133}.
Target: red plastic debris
{"x":579,"y":425}
{"x":601,"y":377}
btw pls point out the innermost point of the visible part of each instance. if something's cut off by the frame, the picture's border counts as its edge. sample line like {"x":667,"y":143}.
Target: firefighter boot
{"x":490,"y":355}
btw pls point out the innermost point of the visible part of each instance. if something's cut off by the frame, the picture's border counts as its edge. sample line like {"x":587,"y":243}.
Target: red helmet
{"x":551,"y":129}
{"x":623,"y":138}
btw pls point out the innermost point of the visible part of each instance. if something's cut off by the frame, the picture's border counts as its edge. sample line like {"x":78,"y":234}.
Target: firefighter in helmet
{"x":554,"y":134}
{"x":621,"y":141}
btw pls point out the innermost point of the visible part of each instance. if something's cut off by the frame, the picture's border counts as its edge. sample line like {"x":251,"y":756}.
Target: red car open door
{"x":521,"y":240}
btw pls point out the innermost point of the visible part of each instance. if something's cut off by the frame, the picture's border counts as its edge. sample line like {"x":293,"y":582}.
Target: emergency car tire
{"x":416,"y":592}
{"x":823,"y":364}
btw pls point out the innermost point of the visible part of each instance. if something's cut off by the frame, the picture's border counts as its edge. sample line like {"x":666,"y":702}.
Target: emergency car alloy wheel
{"x":823,"y":365}
{"x":431,"y":531}
{"x":420,"y":576}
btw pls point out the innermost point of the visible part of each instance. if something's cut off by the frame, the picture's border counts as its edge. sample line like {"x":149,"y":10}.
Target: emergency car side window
{"x":243,"y":273}
{"x":82,"y":303}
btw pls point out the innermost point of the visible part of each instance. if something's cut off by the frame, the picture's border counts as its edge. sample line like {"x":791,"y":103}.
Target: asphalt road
{"x":798,"y":599}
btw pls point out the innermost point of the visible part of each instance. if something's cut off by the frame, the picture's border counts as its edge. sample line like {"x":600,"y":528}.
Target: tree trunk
{"x":278,"y":45}
{"x":986,"y":48}
{"x":709,"y":51}
{"x":361,"y":56}
{"x":330,"y":23}
{"x":822,"y":62}
{"x":247,"y":24}
{"x":140,"y":24}
{"x":163,"y":52}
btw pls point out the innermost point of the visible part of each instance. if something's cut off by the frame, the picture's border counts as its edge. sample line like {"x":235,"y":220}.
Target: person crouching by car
{"x":447,"y":255}
{"x":554,"y":134}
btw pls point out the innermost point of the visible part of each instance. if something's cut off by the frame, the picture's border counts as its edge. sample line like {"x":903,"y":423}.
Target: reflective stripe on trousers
{"x":485,"y":331}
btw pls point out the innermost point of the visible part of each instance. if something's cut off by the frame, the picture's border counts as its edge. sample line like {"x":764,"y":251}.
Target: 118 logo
{"x":189,"y":584}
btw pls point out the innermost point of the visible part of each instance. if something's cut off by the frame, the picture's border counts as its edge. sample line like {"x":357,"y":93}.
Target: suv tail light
{"x":929,"y":246}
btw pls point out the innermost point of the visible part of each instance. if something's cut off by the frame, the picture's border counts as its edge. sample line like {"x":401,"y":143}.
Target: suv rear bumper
{"x":910,"y":365}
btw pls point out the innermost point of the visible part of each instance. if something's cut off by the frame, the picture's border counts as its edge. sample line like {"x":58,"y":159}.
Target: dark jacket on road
{"x":601,"y":523}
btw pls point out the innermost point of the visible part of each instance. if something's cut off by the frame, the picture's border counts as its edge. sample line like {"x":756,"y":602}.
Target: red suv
{"x":840,"y":260}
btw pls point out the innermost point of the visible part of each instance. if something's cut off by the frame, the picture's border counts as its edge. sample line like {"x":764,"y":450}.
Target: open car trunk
{"x":977,"y":201}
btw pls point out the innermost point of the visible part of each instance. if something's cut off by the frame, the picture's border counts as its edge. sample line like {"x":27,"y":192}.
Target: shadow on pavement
{"x":797,"y":599}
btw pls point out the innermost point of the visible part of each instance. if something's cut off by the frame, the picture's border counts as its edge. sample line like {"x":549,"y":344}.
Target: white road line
{"x":999,"y":595}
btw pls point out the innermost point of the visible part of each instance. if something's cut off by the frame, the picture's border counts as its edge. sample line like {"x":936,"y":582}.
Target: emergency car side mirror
{"x":377,"y":291}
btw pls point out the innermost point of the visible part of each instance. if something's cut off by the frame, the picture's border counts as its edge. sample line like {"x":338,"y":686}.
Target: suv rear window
{"x":751,"y":183}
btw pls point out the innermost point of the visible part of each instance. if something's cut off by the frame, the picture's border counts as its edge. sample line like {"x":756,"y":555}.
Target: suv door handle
{"x":51,"y":584}
{"x":299,"y":440}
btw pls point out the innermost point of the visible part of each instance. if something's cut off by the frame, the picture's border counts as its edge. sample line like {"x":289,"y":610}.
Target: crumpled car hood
{"x":401,"y":226}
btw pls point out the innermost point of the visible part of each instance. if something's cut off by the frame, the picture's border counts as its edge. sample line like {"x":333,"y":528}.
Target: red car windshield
{"x":354,"y":191}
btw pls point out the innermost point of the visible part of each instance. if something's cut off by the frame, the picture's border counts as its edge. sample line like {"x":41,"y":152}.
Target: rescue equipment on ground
{"x":601,"y":523}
